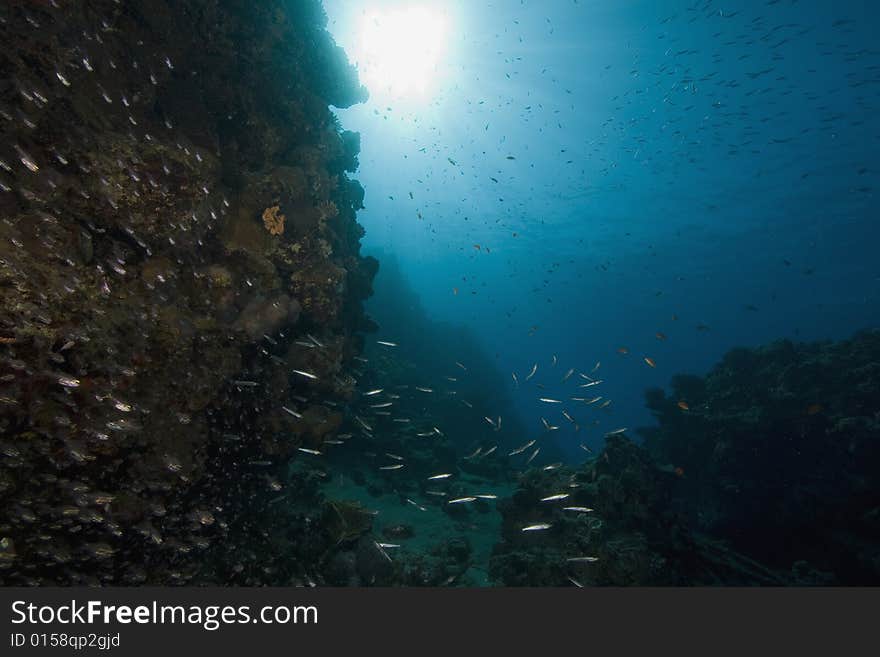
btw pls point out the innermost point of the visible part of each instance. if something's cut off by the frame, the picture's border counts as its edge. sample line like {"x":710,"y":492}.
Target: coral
{"x":273,"y":221}
{"x":145,"y":316}
{"x":779,"y":453}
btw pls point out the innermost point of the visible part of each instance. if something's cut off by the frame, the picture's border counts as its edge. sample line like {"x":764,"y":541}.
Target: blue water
{"x":706,"y":170}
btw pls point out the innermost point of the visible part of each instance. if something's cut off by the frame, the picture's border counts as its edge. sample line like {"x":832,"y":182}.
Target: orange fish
{"x":812,"y":409}
{"x":622,"y":350}
{"x":679,"y":472}
{"x":683,"y":405}
{"x":650,"y":362}
{"x":660,"y":336}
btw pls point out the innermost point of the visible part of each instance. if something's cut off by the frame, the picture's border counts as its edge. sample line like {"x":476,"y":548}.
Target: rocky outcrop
{"x":779,"y":450}
{"x":177,"y":235}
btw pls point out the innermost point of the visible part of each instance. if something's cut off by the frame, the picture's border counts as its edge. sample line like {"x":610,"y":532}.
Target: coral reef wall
{"x":779,"y":450}
{"x":764,"y":472}
{"x":177,"y":236}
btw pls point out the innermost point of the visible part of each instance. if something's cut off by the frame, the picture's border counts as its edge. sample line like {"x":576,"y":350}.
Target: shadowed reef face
{"x":176,"y":214}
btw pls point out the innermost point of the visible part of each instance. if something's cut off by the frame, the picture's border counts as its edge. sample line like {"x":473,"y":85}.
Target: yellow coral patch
{"x":273,"y":220}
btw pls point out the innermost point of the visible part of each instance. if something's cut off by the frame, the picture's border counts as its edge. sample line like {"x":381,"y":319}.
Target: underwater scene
{"x":560,"y":293}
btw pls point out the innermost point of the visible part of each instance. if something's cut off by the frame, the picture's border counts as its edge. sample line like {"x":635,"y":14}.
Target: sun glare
{"x":401,"y":50}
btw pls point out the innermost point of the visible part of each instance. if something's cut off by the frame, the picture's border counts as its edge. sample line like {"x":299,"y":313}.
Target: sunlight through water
{"x":399,"y":51}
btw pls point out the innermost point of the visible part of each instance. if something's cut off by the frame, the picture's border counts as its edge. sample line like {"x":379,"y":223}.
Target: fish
{"x":548,"y":400}
{"x":534,"y":454}
{"x":306,"y":450}
{"x":486,"y":496}
{"x":590,"y":384}
{"x":370,"y":393}
{"x":596,"y":366}
{"x":683,"y":405}
{"x":532,"y":373}
{"x":307,"y":375}
{"x":583,"y":559}
{"x":385,"y":343}
{"x":515,"y":380}
{"x":623,"y":351}
{"x":489,"y":420}
{"x":568,"y":375}
{"x":393,"y":456}
{"x":650,"y":362}
{"x":445,"y":475}
{"x":396,"y":466}
{"x":568,"y":417}
{"x":461,"y":500}
{"x":384,"y":553}
{"x":416,"y":504}
{"x":474,"y":455}
{"x":577,"y":509}
{"x":490,"y":450}
{"x":554,"y":360}
{"x":541,"y":526}
{"x":575,"y":582}
{"x":616,"y":432}
{"x":389,"y":545}
{"x":554,"y":498}
{"x":363,"y":424}
{"x":552,"y":466}
{"x":520,"y":450}
{"x":420,"y":389}
{"x":660,"y":336}
{"x":461,"y":366}
{"x":586,"y":449}
{"x":384,"y":405}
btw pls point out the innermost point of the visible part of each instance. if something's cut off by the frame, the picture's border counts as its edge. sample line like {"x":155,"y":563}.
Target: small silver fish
{"x":520,"y":450}
{"x":307,"y":375}
{"x":541,"y":526}
{"x":386,"y":344}
{"x":548,"y":400}
{"x":532,"y":373}
{"x":461,"y":500}
{"x":313,"y":452}
{"x":396,"y":466}
{"x":577,"y":509}
{"x":554,"y":498}
{"x":445,"y":475}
